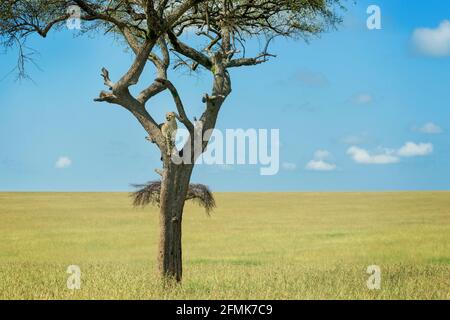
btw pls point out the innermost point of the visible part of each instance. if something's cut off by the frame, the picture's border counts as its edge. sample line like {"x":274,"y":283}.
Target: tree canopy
{"x":226,"y":24}
{"x":154,"y":30}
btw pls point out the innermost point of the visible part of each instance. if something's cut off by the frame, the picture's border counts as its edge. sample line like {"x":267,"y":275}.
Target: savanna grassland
{"x":254,"y":246}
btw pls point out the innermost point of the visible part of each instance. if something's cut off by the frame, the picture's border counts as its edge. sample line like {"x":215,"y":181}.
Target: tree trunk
{"x":174,"y":187}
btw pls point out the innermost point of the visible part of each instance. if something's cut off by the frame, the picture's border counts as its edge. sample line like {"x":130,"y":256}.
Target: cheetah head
{"x":170,"y":116}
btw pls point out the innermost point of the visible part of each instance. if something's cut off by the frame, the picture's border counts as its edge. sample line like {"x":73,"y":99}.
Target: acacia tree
{"x":155,"y":31}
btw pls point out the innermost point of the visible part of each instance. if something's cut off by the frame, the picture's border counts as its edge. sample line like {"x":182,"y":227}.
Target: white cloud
{"x":388,"y":156}
{"x":63,"y":162}
{"x":433,"y":42}
{"x":430,"y":128}
{"x":289,"y":166}
{"x":411,"y":149}
{"x":319,"y":163}
{"x":362,"y":156}
{"x":363,"y":99}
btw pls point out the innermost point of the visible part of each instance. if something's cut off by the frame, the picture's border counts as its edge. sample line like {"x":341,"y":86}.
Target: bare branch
{"x":173,"y":17}
{"x":189,"y":52}
{"x":135,"y":71}
{"x":182,"y":62}
{"x":107,"y":97}
{"x":108,"y":82}
{"x":43,"y":32}
{"x":179,"y":104}
{"x":261,"y":58}
{"x":249,"y":61}
{"x":88,"y":8}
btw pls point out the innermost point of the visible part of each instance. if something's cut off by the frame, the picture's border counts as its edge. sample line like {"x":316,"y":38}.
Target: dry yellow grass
{"x":255,"y":246}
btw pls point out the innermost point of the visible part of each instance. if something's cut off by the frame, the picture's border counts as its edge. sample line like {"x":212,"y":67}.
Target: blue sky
{"x":357,"y":109}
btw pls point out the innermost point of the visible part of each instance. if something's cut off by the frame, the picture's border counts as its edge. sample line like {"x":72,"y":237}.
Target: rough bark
{"x":176,"y":178}
{"x":174,"y":187}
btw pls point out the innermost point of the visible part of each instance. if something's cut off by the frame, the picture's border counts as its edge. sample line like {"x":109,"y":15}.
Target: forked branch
{"x":178,"y":103}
